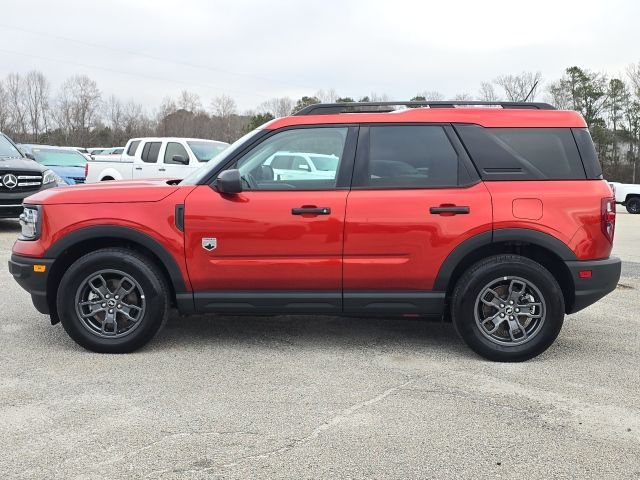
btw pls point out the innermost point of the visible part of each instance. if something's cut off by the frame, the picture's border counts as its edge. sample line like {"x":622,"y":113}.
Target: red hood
{"x":122,"y":191}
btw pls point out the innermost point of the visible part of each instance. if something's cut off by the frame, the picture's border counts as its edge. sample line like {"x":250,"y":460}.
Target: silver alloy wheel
{"x":510,"y":311}
{"x":110,"y":303}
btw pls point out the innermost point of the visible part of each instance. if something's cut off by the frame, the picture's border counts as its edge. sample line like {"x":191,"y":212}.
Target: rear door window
{"x":523,"y":153}
{"x":150,"y":152}
{"x":410,"y":156}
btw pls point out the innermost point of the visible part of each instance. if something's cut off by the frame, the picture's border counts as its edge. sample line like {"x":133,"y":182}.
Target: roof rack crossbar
{"x":381,"y":107}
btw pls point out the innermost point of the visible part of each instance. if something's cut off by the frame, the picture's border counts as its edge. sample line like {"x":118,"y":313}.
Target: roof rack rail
{"x":372,"y":107}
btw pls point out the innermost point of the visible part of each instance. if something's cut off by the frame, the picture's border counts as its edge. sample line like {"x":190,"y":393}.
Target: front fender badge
{"x":209,"y":244}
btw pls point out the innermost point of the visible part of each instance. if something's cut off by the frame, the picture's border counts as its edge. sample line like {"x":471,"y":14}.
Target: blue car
{"x":67,"y":163}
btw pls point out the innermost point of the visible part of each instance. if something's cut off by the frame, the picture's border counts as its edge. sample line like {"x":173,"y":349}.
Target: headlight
{"x":30,"y":221}
{"x":49,"y":176}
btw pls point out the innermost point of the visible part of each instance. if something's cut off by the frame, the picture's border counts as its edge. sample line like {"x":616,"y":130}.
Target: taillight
{"x":86,"y":169}
{"x":608,"y":217}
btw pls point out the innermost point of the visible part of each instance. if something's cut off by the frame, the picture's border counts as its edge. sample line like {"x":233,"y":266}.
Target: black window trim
{"x":133,"y":142}
{"x":149,"y":143}
{"x":171,"y":162}
{"x":467,"y":173}
{"x":345,"y":169}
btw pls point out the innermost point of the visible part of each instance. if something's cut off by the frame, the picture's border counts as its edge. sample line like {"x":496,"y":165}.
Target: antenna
{"x":531,"y":91}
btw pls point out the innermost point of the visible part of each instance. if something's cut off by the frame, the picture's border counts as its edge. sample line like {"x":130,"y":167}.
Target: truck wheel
{"x":113,"y":300}
{"x":508,"y":308}
{"x":633,"y":205}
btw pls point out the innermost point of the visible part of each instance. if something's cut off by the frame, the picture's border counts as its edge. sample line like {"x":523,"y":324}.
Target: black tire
{"x":467,"y":300}
{"x":153,"y":298}
{"x":633,"y":205}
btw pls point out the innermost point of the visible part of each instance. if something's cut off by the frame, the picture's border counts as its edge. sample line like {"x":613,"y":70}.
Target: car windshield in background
{"x":325,"y":163}
{"x":59,"y":158}
{"x":7,"y":150}
{"x":205,"y":151}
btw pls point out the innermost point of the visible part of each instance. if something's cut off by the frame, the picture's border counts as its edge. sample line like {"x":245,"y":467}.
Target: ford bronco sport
{"x":494,"y":216}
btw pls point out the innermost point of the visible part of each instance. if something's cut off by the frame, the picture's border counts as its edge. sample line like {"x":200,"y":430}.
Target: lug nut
{"x":510,"y":317}
{"x":119,"y":306}
{"x":111,"y":310}
{"x":106,"y":296}
{"x":116,"y":297}
{"x":502,"y":305}
{"x":517,"y":310}
{"x":502,"y":315}
{"x":104,"y":305}
{"x":510,"y":302}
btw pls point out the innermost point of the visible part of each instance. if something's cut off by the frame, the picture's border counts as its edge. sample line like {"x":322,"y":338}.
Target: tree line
{"x":78,"y":114}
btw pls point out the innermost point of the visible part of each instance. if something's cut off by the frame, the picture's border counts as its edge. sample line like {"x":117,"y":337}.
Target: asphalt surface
{"x":300,"y":397}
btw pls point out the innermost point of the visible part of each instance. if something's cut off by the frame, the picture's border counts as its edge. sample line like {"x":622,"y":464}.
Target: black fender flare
{"x":122,"y":233}
{"x":525,"y":235}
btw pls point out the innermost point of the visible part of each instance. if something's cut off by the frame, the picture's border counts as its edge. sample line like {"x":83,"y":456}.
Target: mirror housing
{"x":229,"y":181}
{"x":29,"y":156}
{"x":180,"y":159}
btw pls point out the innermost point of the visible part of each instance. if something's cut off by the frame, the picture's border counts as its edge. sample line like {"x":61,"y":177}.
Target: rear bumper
{"x":604,"y":279}
{"x":22,"y":269}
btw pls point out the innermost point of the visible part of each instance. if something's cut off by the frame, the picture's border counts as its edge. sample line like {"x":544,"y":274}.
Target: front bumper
{"x":603,"y":280}
{"x":35,"y":282}
{"x":11,"y":202}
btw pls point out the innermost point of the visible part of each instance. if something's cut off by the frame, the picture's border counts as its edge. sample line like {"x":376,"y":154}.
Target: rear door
{"x":415,"y":197}
{"x":148,"y":166}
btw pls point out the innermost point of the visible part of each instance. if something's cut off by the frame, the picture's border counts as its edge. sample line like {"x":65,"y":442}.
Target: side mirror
{"x":229,"y":182}
{"x":180,"y":159}
{"x":30,"y":156}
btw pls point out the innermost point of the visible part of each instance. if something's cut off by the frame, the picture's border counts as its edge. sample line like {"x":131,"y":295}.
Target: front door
{"x":276,"y":246}
{"x":415,"y":197}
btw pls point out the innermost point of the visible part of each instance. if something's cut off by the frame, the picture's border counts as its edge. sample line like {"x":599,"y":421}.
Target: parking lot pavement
{"x":300,"y":397}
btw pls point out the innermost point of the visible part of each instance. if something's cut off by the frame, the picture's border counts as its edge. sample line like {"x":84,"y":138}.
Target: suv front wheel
{"x":508,"y":308}
{"x":112,"y":300}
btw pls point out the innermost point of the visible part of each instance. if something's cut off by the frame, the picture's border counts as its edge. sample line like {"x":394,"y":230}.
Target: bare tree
{"x":430,"y":96}
{"x":189,"y":101}
{"x":114,"y":113}
{"x":15,"y":99}
{"x":224,"y":107}
{"x":36,"y":97}
{"x":5,"y":111}
{"x":558,"y":95}
{"x":518,"y":87}
{"x":463,"y":97}
{"x":278,"y":107}
{"x":487,"y":92}
{"x":77,"y":107}
{"x":326,"y":96}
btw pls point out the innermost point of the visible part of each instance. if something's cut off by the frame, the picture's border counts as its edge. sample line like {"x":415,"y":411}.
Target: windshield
{"x":7,"y":150}
{"x":197,"y":175}
{"x":205,"y":151}
{"x":327,"y":163}
{"x":59,"y":158}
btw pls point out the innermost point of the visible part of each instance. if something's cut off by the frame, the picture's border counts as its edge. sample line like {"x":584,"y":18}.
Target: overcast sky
{"x":254,"y":50}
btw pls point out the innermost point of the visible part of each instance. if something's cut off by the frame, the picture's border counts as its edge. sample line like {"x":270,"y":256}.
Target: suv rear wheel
{"x":112,"y":300}
{"x":508,"y":308}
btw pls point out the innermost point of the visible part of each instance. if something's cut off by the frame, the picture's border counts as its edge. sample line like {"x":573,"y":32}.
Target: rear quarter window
{"x":523,"y":153}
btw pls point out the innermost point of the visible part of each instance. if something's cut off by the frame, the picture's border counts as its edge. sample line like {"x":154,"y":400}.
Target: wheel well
{"x":630,"y":196}
{"x":73,"y":253}
{"x":543,"y":256}
{"x":106,"y":179}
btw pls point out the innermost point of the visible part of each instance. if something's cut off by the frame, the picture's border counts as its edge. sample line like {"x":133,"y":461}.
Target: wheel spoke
{"x":126,"y":310}
{"x":497,"y":321}
{"x":124,"y":287}
{"x":495,"y":302}
{"x":99,"y":286}
{"x":94,"y":307}
{"x":514,"y":292}
{"x":516,"y":328}
{"x":109,"y":320}
{"x":528,"y":309}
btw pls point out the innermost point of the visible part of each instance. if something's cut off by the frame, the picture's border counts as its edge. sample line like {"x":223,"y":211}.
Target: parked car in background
{"x":154,"y":157}
{"x":300,"y":165}
{"x":20,"y":177}
{"x":110,"y":151}
{"x":95,"y":151}
{"x":627,"y":195}
{"x":67,"y":162}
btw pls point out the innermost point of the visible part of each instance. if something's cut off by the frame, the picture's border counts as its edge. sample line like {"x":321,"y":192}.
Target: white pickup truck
{"x":627,"y":194}
{"x":154,"y":157}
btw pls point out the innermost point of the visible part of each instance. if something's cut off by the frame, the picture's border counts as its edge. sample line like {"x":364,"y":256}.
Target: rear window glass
{"x":523,"y":153}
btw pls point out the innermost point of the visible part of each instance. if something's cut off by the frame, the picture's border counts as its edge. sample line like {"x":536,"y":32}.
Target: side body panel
{"x":567,"y":210}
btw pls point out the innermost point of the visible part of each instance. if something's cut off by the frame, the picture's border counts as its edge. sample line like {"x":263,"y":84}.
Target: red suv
{"x":495,"y":216}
